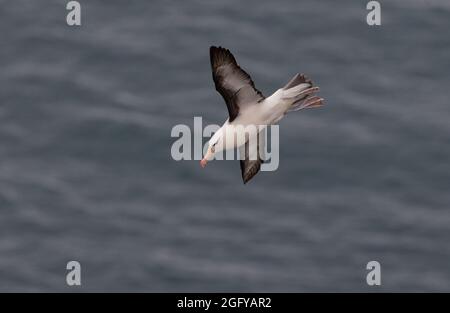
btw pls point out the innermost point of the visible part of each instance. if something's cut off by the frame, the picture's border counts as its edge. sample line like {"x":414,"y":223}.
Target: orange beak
{"x":208,"y":156}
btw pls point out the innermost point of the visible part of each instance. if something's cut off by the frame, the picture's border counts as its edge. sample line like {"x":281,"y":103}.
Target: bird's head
{"x":215,"y":145}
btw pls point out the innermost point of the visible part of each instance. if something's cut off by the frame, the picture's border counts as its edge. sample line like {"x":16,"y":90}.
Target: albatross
{"x":248,"y":107}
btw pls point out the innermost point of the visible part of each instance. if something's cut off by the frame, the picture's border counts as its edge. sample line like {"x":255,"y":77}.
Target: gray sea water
{"x":86,"y":173}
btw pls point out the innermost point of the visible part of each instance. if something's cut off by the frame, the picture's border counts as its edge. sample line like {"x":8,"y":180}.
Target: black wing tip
{"x":220,"y":56}
{"x":249,"y":173}
{"x":247,"y":177}
{"x":217,"y":48}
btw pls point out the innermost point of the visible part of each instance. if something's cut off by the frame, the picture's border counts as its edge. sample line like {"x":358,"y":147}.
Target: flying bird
{"x":247,"y":106}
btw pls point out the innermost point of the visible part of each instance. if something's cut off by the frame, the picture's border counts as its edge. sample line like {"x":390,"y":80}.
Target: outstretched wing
{"x":253,"y":152}
{"x":233,"y":83}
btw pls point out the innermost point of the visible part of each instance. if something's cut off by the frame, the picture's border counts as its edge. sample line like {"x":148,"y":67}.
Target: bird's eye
{"x":213,"y":148}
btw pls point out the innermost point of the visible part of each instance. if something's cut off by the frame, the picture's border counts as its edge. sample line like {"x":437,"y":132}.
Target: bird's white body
{"x":261,"y":114}
{"x":249,"y":111}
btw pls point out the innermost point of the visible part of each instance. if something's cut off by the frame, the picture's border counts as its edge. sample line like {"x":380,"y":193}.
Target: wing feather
{"x":253,"y":157}
{"x":232,"y":82}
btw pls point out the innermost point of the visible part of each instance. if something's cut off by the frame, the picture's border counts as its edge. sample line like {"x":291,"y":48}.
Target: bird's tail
{"x":300,"y":91}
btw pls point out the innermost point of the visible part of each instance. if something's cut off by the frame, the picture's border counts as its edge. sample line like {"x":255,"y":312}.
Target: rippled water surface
{"x":86,"y":172}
